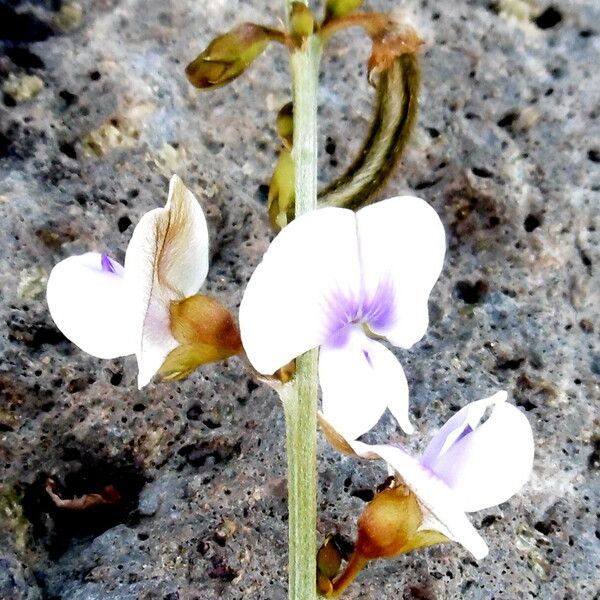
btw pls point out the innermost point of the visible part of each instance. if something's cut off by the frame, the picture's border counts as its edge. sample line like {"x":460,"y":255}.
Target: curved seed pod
{"x":395,"y":113}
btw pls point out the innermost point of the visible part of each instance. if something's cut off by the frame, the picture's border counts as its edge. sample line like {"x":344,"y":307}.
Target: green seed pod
{"x":392,"y":124}
{"x":395,"y":114}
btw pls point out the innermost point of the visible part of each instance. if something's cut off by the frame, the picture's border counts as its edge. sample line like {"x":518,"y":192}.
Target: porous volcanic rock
{"x":507,"y":149}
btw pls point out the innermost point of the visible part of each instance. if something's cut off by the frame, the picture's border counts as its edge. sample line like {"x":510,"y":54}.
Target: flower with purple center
{"x":110,"y":310}
{"x":343,"y":281}
{"x":480,"y":458}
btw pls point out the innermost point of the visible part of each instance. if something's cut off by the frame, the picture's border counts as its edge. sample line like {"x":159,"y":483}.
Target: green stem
{"x":305,"y":77}
{"x":300,"y":398}
{"x":300,"y":404}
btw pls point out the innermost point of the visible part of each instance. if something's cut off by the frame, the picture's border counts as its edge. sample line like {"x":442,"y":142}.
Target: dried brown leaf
{"x":108,"y":495}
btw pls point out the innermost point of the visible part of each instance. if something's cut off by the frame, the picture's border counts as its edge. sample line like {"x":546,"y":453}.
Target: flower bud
{"x":281,"y":191}
{"x":228,"y":55}
{"x":339,"y":8}
{"x":206,"y":332}
{"x":302,"y":21}
{"x":329,"y":559}
{"x":285,"y":123}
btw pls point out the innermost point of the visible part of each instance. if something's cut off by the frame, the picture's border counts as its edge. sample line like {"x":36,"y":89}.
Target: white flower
{"x":472,"y":463}
{"x":337,"y":279}
{"x":109,"y":310}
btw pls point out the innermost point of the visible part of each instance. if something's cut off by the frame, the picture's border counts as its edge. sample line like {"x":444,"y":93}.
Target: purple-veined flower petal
{"x":451,"y":431}
{"x":327,"y":273}
{"x":359,"y":379}
{"x":302,"y":291}
{"x":166,"y":260}
{"x":89,"y":303}
{"x":331,"y":268}
{"x":488,"y":461}
{"x":442,"y":510}
{"x":402,"y":245}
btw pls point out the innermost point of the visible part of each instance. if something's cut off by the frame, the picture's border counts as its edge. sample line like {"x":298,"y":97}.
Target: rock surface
{"x":507,"y":149}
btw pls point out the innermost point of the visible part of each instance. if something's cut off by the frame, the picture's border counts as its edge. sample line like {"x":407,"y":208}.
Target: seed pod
{"x":393,"y":121}
{"x":394,"y":117}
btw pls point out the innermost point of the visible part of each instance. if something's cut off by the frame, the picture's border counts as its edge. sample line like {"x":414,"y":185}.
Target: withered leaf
{"x":108,"y":495}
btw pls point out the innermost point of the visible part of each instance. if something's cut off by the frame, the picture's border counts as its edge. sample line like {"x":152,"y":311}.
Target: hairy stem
{"x":300,"y":415}
{"x":305,"y":74}
{"x":300,"y":398}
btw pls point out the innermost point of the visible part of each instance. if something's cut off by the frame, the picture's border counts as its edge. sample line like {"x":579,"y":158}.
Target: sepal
{"x":201,"y":319}
{"x":206,"y":333}
{"x":391,"y":525}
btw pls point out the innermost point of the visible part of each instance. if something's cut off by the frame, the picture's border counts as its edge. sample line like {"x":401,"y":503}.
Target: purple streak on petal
{"x":462,"y":458}
{"x":107,"y":264}
{"x":435,"y":460}
{"x":379,"y":311}
{"x":342,"y":311}
{"x":466,"y":431}
{"x":427,"y":468}
{"x":446,"y":437}
{"x":368,"y":357}
{"x":447,"y":476}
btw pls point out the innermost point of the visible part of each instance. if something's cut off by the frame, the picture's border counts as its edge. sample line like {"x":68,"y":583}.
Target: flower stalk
{"x":354,"y":567}
{"x":300,"y":398}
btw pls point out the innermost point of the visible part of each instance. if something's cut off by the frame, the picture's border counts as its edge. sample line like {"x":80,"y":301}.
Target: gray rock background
{"x":507,"y":149}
